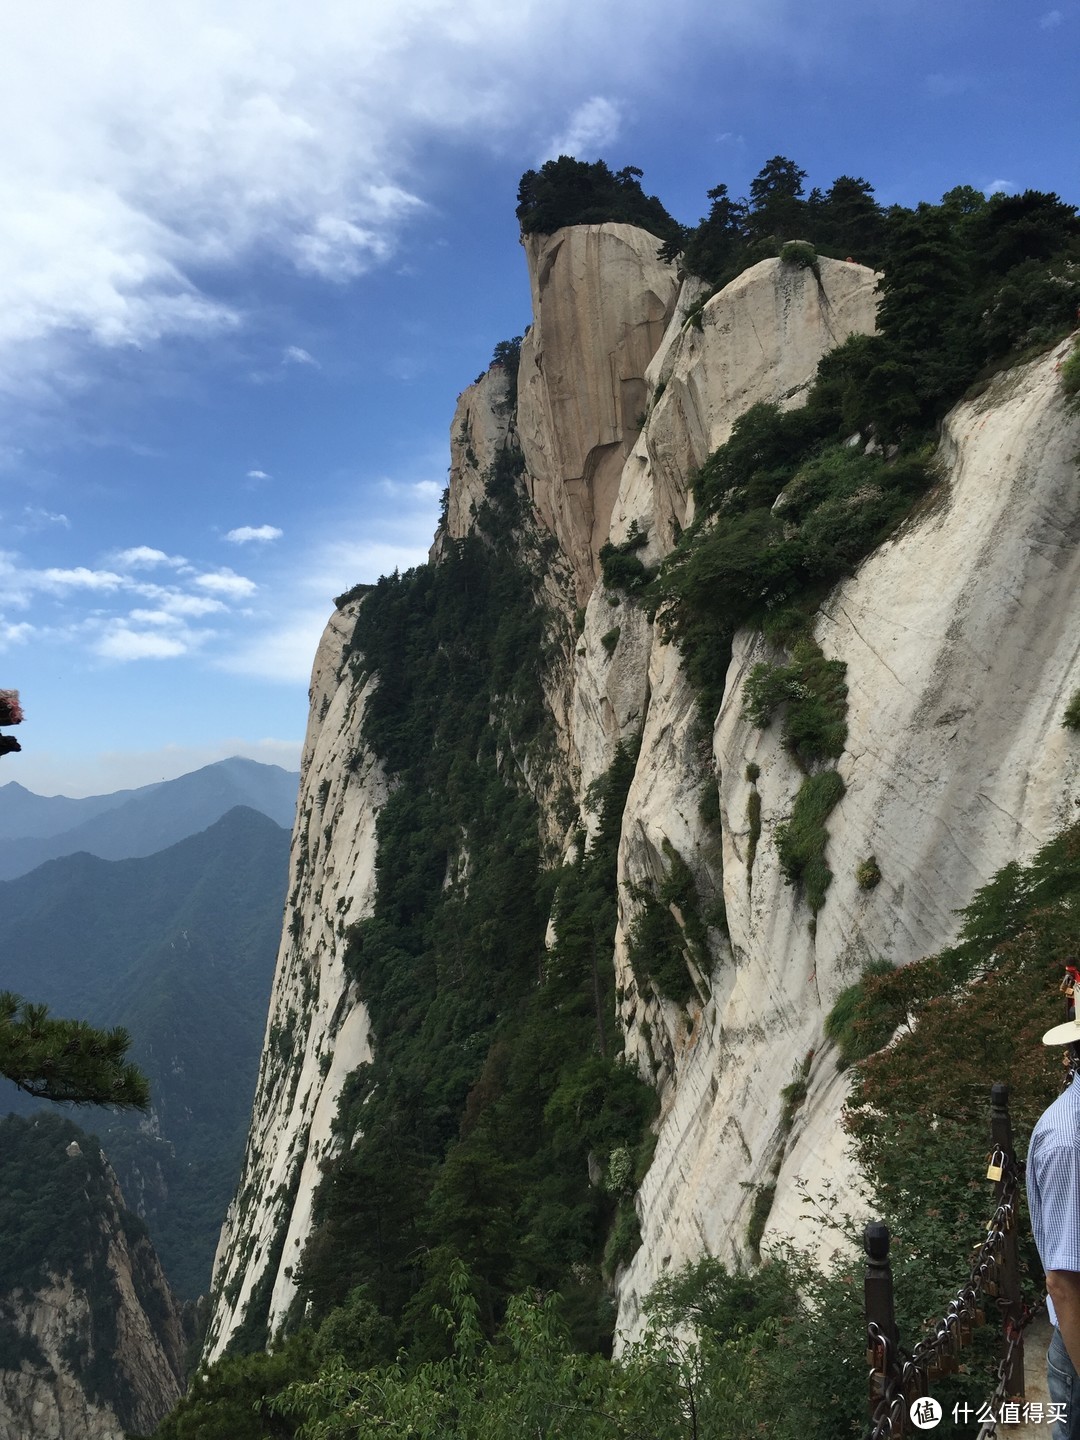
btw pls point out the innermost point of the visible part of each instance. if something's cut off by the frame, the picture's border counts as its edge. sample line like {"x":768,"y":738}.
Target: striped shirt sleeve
{"x":1058,"y":1237}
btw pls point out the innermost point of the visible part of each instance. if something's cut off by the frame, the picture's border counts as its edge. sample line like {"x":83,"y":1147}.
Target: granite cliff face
{"x":93,"y":1349}
{"x":962,"y":639}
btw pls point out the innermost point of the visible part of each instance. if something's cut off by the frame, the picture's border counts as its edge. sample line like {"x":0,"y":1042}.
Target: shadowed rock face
{"x":601,"y":303}
{"x":66,"y":1376}
{"x":960,"y":637}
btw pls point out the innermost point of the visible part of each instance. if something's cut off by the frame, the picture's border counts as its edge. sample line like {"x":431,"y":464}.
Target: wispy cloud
{"x":257,"y":475}
{"x":591,"y":128}
{"x":1051,"y":20}
{"x":998,"y":187}
{"x":34,"y":518}
{"x":121,"y":642}
{"x":226,"y":582}
{"x":295,"y":355}
{"x":146,"y":150}
{"x":281,"y":652}
{"x":145,"y":557}
{"x":14,"y":634}
{"x":244,"y":534}
{"x":119,"y":613}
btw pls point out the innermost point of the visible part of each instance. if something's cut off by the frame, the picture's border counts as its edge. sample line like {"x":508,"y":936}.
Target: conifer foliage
{"x":68,"y":1060}
{"x":576,"y":192}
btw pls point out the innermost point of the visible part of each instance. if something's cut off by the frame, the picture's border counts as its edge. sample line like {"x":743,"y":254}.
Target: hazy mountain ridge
{"x":138,"y":822}
{"x":178,"y":948}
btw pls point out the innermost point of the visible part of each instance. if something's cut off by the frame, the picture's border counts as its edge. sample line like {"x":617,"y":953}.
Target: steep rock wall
{"x":962,"y":640}
{"x":601,"y":303}
{"x":958,"y":636}
{"x":46,"y":1395}
{"x":317,"y":1030}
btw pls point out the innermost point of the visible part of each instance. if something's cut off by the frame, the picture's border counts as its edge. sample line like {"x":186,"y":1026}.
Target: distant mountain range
{"x":36,"y":828}
{"x":178,"y":947}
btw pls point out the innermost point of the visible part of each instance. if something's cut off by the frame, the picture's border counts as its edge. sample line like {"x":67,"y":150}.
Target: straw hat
{"x":1067,"y":1034}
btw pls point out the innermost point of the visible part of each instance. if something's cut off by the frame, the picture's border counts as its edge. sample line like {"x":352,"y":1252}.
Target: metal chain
{"x":1014,"y":1334}
{"x":907,"y":1377}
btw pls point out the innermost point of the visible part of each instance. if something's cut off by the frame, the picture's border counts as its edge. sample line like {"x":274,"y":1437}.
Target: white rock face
{"x":601,"y":304}
{"x":480,"y":430}
{"x":317,"y":1031}
{"x":962,"y":641}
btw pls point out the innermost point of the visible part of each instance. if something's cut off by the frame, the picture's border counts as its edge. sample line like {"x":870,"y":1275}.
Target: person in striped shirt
{"x":1053,"y":1191}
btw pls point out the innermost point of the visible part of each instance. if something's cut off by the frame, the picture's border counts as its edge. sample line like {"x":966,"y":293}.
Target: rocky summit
{"x":956,"y":638}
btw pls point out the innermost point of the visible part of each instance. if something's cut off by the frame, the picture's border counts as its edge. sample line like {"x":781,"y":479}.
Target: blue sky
{"x":250,"y":254}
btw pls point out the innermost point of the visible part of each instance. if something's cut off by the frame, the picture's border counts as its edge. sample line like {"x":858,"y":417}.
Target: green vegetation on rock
{"x":468,"y":1137}
{"x":801,"y":841}
{"x":579,"y":192}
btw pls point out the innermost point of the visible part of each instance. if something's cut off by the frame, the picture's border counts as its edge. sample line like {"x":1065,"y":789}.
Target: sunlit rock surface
{"x":962,"y":641}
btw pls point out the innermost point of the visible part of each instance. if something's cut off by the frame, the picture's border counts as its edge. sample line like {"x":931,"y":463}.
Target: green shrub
{"x":567,"y":191}
{"x":815,"y":695}
{"x":1070,"y":373}
{"x":658,"y":946}
{"x":620,"y":566}
{"x":801,"y":841}
{"x":610,"y":640}
{"x":858,"y":1027}
{"x":868,"y":873}
{"x":760,"y":1211}
{"x":1071,"y":718}
{"x":799,"y":253}
{"x":694,"y":314}
{"x":753,"y":772}
{"x":624,"y":1241}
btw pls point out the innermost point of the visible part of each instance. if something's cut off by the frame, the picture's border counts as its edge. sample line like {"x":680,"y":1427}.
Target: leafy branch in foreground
{"x":67,"y":1059}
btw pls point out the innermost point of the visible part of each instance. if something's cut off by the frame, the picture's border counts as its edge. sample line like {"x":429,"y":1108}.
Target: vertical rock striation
{"x":961,"y":639}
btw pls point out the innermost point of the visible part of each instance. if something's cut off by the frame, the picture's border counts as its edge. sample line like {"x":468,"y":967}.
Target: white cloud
{"x":244,"y":534}
{"x":998,"y":187}
{"x":179,"y":603}
{"x":121,"y":643}
{"x":1051,"y":20}
{"x":145,"y":557}
{"x":144,"y":149}
{"x":257,"y":475}
{"x":154,"y":617}
{"x":421,"y":491}
{"x":283,"y":652}
{"x":77,"y":578}
{"x":14,"y":634}
{"x":592,"y":126}
{"x":226,"y":582}
{"x":295,"y":355}
{"x":34,"y":518}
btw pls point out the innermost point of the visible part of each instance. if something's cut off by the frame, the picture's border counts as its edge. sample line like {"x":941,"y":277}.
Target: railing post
{"x":879,"y":1309}
{"x":1012,"y":1310}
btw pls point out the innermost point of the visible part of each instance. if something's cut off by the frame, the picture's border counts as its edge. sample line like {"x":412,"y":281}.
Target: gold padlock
{"x":994,"y":1172}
